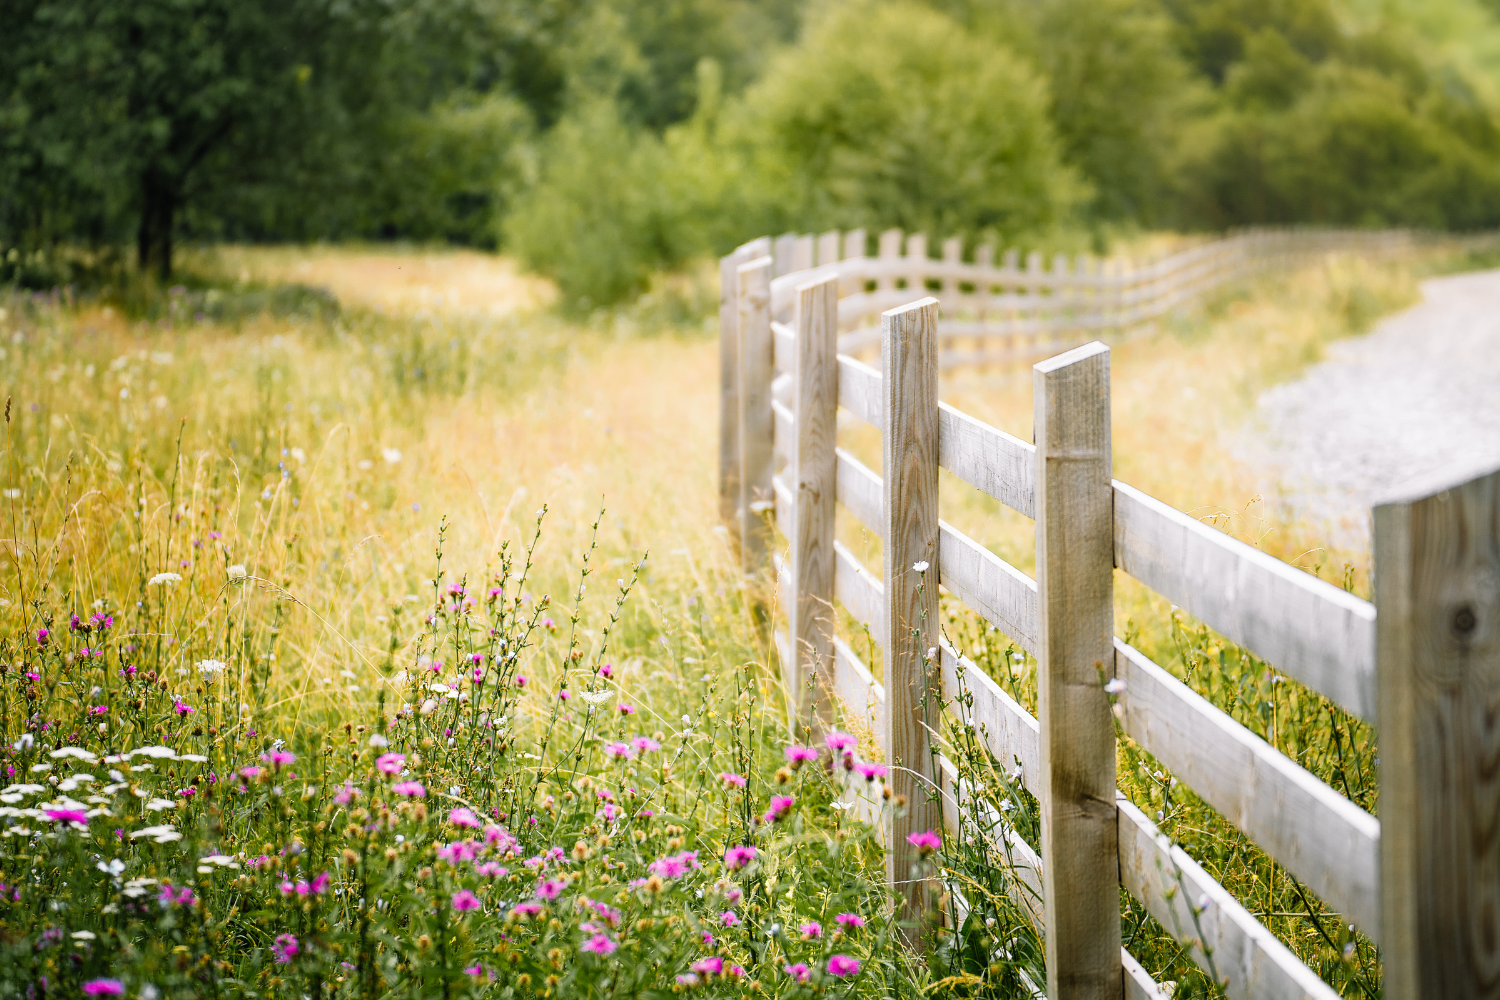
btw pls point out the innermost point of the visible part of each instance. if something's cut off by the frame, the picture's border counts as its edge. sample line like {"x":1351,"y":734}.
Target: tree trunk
{"x":154,"y":235}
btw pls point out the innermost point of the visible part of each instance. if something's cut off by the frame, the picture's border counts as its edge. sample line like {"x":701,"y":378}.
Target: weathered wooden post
{"x":909,"y":476}
{"x":756,"y":423}
{"x":815,"y":468}
{"x":729,"y":378}
{"x":1437,"y":591}
{"x":1075,"y":590}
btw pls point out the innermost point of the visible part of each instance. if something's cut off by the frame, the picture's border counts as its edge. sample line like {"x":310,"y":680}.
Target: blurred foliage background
{"x":601,"y":141}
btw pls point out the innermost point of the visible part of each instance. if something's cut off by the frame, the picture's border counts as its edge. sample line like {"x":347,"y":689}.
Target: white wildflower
{"x":207,"y":667}
{"x":347,"y":673}
{"x":1114,"y":686}
{"x":919,"y":567}
{"x":113,"y":867}
{"x":78,"y":752}
{"x":391,"y":455}
{"x":595,"y":697}
{"x":161,"y":578}
{"x":157,"y":805}
{"x":236,"y":573}
{"x":379,"y":741}
{"x":82,"y":935}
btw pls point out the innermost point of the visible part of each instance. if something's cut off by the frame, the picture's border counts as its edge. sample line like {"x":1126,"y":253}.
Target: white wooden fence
{"x":1424,"y":884}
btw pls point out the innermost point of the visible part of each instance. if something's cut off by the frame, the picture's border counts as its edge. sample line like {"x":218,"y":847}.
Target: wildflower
{"x":412,"y":789}
{"x":780,"y":806}
{"x":41,"y":636}
{"x":520,"y":680}
{"x":736,"y":971}
{"x":812,"y":930}
{"x":464,"y":900}
{"x":738,"y":857}
{"x":1114,"y":686}
{"x":713,"y":965}
{"x":208,"y":667}
{"x":626,"y":709}
{"x":688,"y":979}
{"x":67,"y":815}
{"x":346,"y":793}
{"x":99,"y":710}
{"x":499,"y":838}
{"x":674,"y":865}
{"x":390,"y":763}
{"x":524,"y":910}
{"x":599,"y":944}
{"x":799,"y":972}
{"x":800,"y":755}
{"x":843,"y":965}
{"x":925,"y":842}
{"x":919,"y":567}
{"x":708,"y":940}
{"x":619,"y":750}
{"x":549,"y":624}
{"x":278,"y":757}
{"x":645,"y":744}
{"x":285,"y":948}
{"x":463,"y":816}
{"x":236,"y":573}
{"x":607,"y":670}
{"x":840,"y":742}
{"x":476,"y":970}
{"x":491,"y":869}
{"x":849,"y":921}
{"x":250,"y":773}
{"x":550,"y":889}
{"x":730,"y":918}
{"x":164,"y":578}
{"x":103,"y":988}
{"x":730,"y":778}
{"x":872,"y":771}
{"x":563,"y":694}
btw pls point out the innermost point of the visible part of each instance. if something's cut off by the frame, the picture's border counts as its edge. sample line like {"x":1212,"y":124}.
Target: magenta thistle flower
{"x":550,"y":889}
{"x":103,"y":988}
{"x":599,"y":944}
{"x":873,"y":771}
{"x":619,"y":751}
{"x":563,"y":694}
{"x":730,"y":918}
{"x":464,"y":900}
{"x":412,"y":789}
{"x":674,"y":865}
{"x":476,"y":970}
{"x":645,"y":744}
{"x":276,"y":758}
{"x":182,"y":708}
{"x":800,"y":755}
{"x":925,"y":842}
{"x":520,"y":680}
{"x":708,"y":939}
{"x":713,"y":965}
{"x":738,"y":857}
{"x":285,"y":948}
{"x":41,"y":636}
{"x":688,"y":979}
{"x":626,"y":709}
{"x":464,"y":816}
{"x":730,"y":778}
{"x":840,"y":742}
{"x":799,"y":972}
{"x":843,"y":965}
{"x":849,"y":921}
{"x":812,"y":930}
{"x":390,"y":763}
{"x":67,"y":815}
{"x":250,"y":772}
{"x":526,"y":909}
{"x":780,"y":806}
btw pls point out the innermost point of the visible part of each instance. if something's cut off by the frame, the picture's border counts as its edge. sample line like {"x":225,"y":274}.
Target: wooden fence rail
{"x":1427,"y":670}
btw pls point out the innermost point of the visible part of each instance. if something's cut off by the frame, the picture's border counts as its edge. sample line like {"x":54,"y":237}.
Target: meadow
{"x":368,"y":631}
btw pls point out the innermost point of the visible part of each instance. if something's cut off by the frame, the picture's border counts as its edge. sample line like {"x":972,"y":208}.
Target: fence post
{"x":729,"y":388}
{"x":757,"y":422}
{"x":815,"y":467}
{"x":1437,"y":588}
{"x":909,"y":475}
{"x":1075,"y":589}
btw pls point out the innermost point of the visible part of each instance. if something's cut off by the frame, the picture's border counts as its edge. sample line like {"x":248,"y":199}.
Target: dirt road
{"x":1417,"y":396}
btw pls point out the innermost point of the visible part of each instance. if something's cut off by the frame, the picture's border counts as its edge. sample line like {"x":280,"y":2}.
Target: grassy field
{"x":272,"y":491}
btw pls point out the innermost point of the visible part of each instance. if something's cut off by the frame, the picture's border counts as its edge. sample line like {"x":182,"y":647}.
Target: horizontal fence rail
{"x":1087,"y":527}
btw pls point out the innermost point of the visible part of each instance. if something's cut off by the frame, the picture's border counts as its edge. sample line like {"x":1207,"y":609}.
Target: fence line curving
{"x":1427,"y":670}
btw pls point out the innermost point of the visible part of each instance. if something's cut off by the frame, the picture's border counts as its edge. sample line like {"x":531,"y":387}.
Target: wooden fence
{"x":1025,"y":307}
{"x":1424,"y":884}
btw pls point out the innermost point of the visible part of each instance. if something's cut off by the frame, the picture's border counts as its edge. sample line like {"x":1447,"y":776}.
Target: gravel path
{"x":1417,"y":396}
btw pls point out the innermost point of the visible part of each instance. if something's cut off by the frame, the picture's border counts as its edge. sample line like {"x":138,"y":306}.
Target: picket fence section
{"x":1022,"y":307}
{"x":1420,"y":891}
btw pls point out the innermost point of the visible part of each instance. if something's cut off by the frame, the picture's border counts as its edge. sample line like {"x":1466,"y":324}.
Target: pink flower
{"x":708,"y":940}
{"x":737,"y":971}
{"x":563,"y":694}
{"x":390,"y":763}
{"x":799,"y":972}
{"x":464,"y":900}
{"x":476,"y":970}
{"x":520,"y":680}
{"x":526,"y":909}
{"x":873,"y":771}
{"x":674,"y":865}
{"x":104,"y":988}
{"x":183,"y":708}
{"x":840,"y":742}
{"x":550,"y":889}
{"x":67,"y":815}
{"x":925,"y":843}
{"x":738,"y":857}
{"x":346,"y":794}
{"x":413,"y":789}
{"x":278,"y":757}
{"x":499,"y":838}
{"x":645,"y":744}
{"x":607,"y":670}
{"x":800,"y":755}
{"x":549,"y":624}
{"x":626,"y":709}
{"x":780,"y":806}
{"x":811,"y":930}
{"x":843,"y":965}
{"x":729,"y":918}
{"x":730,"y":778}
{"x":250,"y":772}
{"x":41,"y":636}
{"x":619,"y":750}
{"x":491,"y":869}
{"x":688,"y":979}
{"x":464,"y":816}
{"x":285,"y":949}
{"x":99,"y":710}
{"x":320,"y":884}
{"x":713,"y":965}
{"x":599,"y":944}
{"x":851,"y":921}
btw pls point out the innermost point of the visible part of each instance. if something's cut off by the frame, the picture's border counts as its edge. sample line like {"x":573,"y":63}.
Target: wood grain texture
{"x":757,"y":427}
{"x":1437,"y":584}
{"x":1328,"y":842}
{"x":729,"y":388}
{"x":1306,"y":628}
{"x":988,"y":459}
{"x":1246,"y":957}
{"x":859,"y":490}
{"x":1075,"y":588}
{"x":909,"y":460}
{"x":1003,"y":595}
{"x":815,"y":474}
{"x":859,"y":391}
{"x":859,"y":591}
